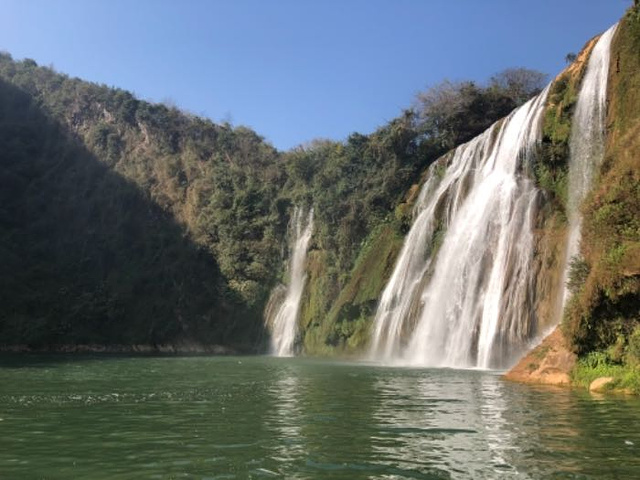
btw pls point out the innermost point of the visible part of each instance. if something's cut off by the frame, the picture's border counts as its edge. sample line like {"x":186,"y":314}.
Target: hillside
{"x":125,"y":223}
{"x":121,"y":219}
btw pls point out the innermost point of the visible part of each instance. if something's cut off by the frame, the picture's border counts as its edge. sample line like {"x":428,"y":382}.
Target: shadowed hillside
{"x":87,"y":256}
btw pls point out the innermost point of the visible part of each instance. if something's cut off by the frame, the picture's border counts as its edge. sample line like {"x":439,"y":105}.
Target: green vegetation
{"x":578,"y":274}
{"x":603,"y":317}
{"x":126,"y":222}
{"x":626,"y":377}
{"x":346,"y":326}
{"x":551,"y":167}
{"x":130,"y":222}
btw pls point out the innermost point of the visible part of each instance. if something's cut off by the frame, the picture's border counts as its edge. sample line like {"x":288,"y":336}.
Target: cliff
{"x":601,"y":322}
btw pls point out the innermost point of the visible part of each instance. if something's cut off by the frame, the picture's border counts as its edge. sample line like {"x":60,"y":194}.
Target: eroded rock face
{"x":598,"y":385}
{"x":550,"y":363}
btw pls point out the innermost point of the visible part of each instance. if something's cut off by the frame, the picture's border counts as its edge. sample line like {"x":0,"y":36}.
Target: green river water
{"x":65,"y":417}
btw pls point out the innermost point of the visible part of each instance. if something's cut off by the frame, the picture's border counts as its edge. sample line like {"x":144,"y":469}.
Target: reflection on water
{"x":500,"y":438}
{"x":285,"y":419}
{"x":418,"y":421}
{"x":239,"y":418}
{"x":457,"y":426}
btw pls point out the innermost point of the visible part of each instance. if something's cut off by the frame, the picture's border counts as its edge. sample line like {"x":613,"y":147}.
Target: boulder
{"x":598,"y":384}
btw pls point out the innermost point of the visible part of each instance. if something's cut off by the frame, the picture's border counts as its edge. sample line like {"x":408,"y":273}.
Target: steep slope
{"x":363,"y":191}
{"x":606,"y":300}
{"x":85,"y":254}
{"x":602,"y":318}
{"x":126,"y":222}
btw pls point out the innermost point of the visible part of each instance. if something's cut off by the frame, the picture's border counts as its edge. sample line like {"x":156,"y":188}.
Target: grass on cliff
{"x":346,"y":327}
{"x":606,"y":306}
{"x":552,"y":167}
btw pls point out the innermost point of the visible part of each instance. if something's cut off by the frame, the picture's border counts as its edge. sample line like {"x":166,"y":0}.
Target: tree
{"x":439,"y":109}
{"x":570,"y":57}
{"x":520,"y":84}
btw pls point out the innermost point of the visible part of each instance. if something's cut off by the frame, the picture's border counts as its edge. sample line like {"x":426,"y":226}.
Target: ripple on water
{"x":295,"y":418}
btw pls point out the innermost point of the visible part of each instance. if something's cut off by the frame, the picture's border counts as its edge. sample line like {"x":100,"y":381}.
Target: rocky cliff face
{"x":602,"y":317}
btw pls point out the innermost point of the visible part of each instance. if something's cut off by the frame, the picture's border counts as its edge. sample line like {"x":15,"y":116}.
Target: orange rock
{"x":598,"y":384}
{"x":549,"y":363}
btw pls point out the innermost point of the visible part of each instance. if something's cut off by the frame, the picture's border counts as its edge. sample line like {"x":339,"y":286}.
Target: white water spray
{"x":283,"y":322}
{"x":469,"y":304}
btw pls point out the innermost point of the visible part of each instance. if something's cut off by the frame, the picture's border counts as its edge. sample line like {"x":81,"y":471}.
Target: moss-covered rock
{"x":345,"y":328}
{"x":552,"y":165}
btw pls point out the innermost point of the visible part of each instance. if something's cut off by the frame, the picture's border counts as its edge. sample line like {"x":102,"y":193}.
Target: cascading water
{"x":473,"y":307}
{"x":283,"y":318}
{"x":587,"y":139}
{"x":471,"y":302}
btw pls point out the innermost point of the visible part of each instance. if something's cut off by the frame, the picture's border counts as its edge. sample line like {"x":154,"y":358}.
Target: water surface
{"x":67,"y":417}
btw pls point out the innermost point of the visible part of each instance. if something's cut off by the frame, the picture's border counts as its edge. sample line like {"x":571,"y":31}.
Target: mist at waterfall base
{"x":470,"y":300}
{"x":282,"y":311}
{"x":267,"y":417}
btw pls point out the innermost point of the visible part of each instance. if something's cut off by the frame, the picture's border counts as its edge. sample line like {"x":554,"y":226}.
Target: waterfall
{"x":468,"y":303}
{"x":471,"y":303}
{"x":282,"y":317}
{"x":587,"y":140}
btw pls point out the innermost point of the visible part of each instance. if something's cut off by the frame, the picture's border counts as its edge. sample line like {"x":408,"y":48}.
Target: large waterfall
{"x":480,"y":281}
{"x":587,"y":138}
{"x":462,"y":293}
{"x":282,"y":315}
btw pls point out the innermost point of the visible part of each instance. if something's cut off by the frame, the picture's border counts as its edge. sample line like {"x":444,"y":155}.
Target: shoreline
{"x":143,"y":349}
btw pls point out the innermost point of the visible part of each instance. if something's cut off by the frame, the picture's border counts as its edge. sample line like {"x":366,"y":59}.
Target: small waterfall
{"x":469,"y":304}
{"x":587,"y":140}
{"x":282,"y":313}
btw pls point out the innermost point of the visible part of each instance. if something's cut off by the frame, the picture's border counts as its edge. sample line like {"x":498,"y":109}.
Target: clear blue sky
{"x":295,"y":70}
